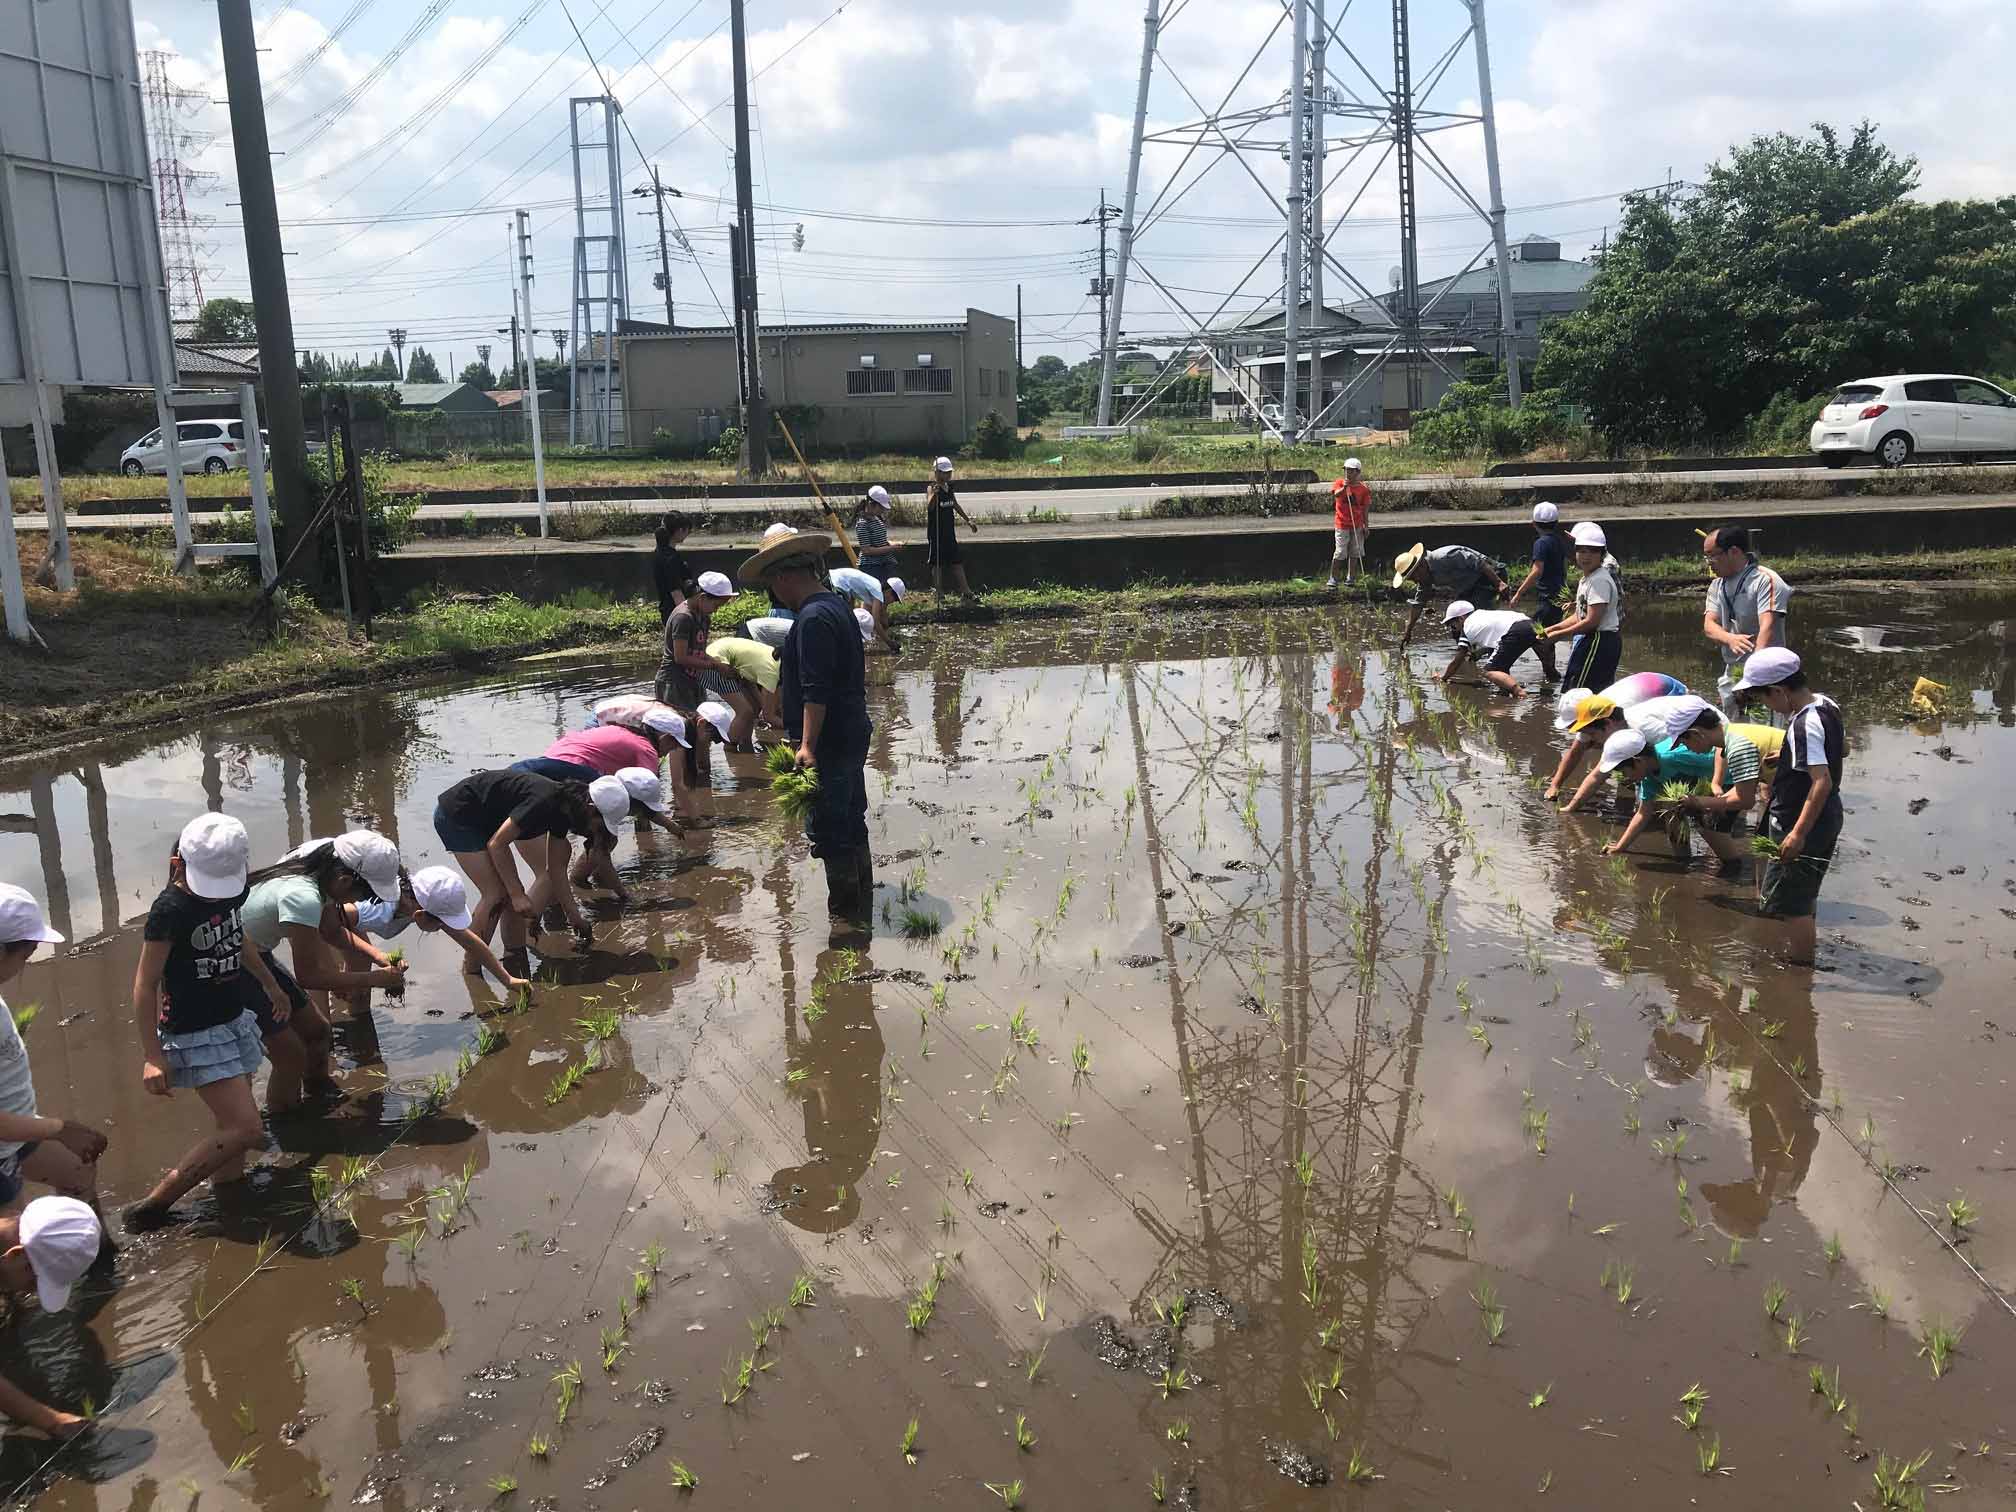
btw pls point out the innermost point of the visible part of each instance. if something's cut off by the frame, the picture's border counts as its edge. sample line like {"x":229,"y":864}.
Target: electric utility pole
{"x":265,"y":262}
{"x":748,"y":349}
{"x":1102,"y":286}
{"x":663,"y":277}
{"x":397,"y":336}
{"x":521,"y":257}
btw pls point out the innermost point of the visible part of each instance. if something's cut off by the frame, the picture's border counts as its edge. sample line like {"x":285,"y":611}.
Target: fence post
{"x":255,"y":460}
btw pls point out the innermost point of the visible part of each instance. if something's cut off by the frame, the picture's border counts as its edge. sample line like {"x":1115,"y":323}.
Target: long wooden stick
{"x":832,"y":518}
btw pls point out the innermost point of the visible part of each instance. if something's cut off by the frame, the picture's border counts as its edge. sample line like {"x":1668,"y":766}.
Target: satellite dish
{"x":1393,"y":276}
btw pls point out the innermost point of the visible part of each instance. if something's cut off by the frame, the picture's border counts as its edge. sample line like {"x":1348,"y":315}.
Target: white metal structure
{"x":1385,"y":124}
{"x":1894,"y":418}
{"x":601,"y":278}
{"x":81,"y":288}
{"x":521,"y":297}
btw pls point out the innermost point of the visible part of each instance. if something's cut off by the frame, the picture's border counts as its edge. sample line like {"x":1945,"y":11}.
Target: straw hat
{"x":1406,"y":562}
{"x":800,"y":543}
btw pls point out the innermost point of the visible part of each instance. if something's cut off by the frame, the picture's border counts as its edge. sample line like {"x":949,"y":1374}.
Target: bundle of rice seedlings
{"x":795,"y":791}
{"x":1765,"y":846}
{"x":781,"y":759}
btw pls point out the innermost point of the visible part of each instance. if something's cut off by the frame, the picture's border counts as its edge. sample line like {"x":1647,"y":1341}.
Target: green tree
{"x":225,"y":320}
{"x":422,"y":368}
{"x":1799,"y":264}
{"x":479,"y":374}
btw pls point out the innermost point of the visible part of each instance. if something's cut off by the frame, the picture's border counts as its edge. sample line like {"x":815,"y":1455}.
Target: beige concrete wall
{"x":676,"y":382}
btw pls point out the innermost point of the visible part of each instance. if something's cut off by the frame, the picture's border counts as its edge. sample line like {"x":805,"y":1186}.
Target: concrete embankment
{"x":1118,"y":554}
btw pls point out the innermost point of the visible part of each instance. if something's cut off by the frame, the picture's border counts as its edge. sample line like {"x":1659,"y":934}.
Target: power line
{"x":292,"y":76}
{"x":320,"y":122}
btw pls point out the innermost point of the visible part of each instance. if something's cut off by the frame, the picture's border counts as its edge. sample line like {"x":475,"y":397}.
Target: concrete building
{"x":865,"y":386}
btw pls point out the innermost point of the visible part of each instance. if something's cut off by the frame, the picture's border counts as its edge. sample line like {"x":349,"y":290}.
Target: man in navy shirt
{"x":1547,"y":579}
{"x":821,"y":687}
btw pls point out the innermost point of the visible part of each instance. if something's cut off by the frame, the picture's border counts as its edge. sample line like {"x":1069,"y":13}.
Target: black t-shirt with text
{"x":486,"y":799}
{"x":204,"y":982}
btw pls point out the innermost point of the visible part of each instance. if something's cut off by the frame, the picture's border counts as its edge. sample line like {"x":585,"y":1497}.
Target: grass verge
{"x":201,"y":657}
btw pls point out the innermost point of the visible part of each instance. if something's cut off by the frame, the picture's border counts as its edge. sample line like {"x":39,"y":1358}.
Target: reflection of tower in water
{"x":1323,"y":1079}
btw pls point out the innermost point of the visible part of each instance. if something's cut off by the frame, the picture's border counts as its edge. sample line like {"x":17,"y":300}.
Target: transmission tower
{"x":601,"y":287}
{"x":1373,"y":114}
{"x":168,"y":108}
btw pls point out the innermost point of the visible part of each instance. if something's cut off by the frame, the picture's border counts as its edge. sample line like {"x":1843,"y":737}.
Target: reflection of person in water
{"x":1347,"y":685}
{"x":948,"y":713}
{"x":841,"y":1094}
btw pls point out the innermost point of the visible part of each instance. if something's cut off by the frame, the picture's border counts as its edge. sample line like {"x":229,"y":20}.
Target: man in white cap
{"x":822,"y":688}
{"x":1546,"y":579}
{"x":1495,"y":637}
{"x":941,"y":504}
{"x":53,"y":1151}
{"x":1598,"y":644}
{"x":46,"y":1248}
{"x":1805,"y":814}
{"x":1351,"y":503}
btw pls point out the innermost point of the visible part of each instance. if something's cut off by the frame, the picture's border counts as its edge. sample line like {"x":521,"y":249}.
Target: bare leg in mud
{"x":217,"y":1158}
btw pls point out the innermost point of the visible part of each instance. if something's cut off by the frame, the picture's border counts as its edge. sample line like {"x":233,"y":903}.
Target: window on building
{"x":986,"y":380}
{"x":1007,"y":382}
{"x":931,"y":380}
{"x":871,"y":381}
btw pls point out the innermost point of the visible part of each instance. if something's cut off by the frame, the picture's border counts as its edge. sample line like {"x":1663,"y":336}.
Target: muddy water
{"x":1330,"y":962}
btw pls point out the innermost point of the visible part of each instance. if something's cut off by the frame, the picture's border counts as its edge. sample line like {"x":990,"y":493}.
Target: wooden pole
{"x":832,"y":518}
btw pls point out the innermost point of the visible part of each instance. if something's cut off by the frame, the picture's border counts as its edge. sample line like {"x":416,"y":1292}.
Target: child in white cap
{"x":871,"y":594}
{"x":871,"y":534}
{"x":1546,"y":579}
{"x":46,"y":1248}
{"x":432,"y":900}
{"x":941,"y":504}
{"x":633,"y":793}
{"x":1806,"y":815}
{"x":1497,"y":638}
{"x":1352,"y":502}
{"x":1598,"y":643}
{"x":197,"y":993}
{"x":53,"y":1151}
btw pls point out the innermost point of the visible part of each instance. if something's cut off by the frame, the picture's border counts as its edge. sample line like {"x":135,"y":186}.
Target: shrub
{"x":1782,"y":427}
{"x":728,"y":448}
{"x":995,"y":439}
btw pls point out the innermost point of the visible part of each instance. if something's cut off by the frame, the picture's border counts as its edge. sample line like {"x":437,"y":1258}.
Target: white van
{"x":207,"y":446}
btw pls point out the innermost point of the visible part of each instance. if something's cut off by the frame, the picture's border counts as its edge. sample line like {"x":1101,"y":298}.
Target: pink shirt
{"x":607,"y":748}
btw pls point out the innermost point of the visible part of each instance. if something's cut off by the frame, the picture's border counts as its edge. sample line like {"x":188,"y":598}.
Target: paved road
{"x":1072,"y":504}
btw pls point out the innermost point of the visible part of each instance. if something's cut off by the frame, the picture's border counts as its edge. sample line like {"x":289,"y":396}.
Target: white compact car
{"x":207,"y":446}
{"x":1893,"y":419}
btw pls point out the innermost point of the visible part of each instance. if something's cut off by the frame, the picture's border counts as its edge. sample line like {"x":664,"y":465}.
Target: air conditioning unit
{"x":923,"y":359}
{"x":867,"y":359}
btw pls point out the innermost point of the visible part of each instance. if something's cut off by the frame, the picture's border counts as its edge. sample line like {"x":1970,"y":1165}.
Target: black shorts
{"x":262,"y":1006}
{"x":1793,"y":891}
{"x":1515,"y":643}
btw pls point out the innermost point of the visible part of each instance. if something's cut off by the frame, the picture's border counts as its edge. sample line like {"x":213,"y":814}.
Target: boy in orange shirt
{"x":1354,"y":511}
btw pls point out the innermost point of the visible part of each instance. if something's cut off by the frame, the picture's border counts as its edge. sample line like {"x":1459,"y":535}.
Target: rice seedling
{"x":1024,"y":1439}
{"x":1081,"y":1058}
{"x":736,"y":1379}
{"x":1534,"y":1122}
{"x":1305,"y":1170}
{"x":1709,"y":1455}
{"x":353,"y":1289}
{"x":1689,"y":1416}
{"x":538,"y":1446}
{"x":966,"y":1179}
{"x":1867,"y":1133}
{"x":489,"y":1039}
{"x":1481,"y":1037}
{"x":242,"y":1460}
{"x":1671,"y":1147}
{"x":795,"y":791}
{"x":1766,"y":847}
{"x":1178,"y":1432}
{"x":1010,"y":1493}
{"x":1158,"y":1490}
{"x":802,"y":1291}
{"x":779,"y":760}
{"x":562,"y":1086}
{"x":1041,"y":1302}
{"x":1878,"y":1302}
{"x":1631,"y":1124}
{"x":1960,"y":1213}
{"x":1774,"y":1300}
{"x":242,"y":1416}
{"x":1795,"y":1333}
{"x":1937,"y":1344}
{"x":1173,"y":1381}
{"x":567,"y":1391}
{"x":614,"y":1347}
{"x":1832,"y":1249}
{"x":1019,"y":1030}
{"x":321,"y":1185}
{"x":503,"y":1485}
{"x":1036,"y":1362}
{"x":1312,"y":1275}
{"x":1539,"y":1398}
{"x":1735,"y":1252}
{"x":1359,"y":1470}
{"x":684,"y":1479}
{"x":601,"y":1025}
{"x":919,"y":924}
{"x":1896,"y":1483}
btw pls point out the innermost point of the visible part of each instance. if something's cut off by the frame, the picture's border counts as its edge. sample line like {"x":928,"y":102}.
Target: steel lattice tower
{"x":168,"y":106}
{"x":1372,"y":122}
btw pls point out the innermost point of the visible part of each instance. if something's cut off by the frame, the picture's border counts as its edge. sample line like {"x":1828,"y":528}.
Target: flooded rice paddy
{"x":1289,"y":1110}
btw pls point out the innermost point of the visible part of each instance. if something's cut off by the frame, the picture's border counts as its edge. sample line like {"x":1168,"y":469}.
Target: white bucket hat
{"x":719,"y":715}
{"x":612,"y":798}
{"x":439,"y":891}
{"x":642,"y":784}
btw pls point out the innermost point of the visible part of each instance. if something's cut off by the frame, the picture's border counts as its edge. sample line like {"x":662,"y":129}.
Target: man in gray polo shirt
{"x":1747,"y":603}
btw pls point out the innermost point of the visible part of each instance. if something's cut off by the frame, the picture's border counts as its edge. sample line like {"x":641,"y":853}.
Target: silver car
{"x":206,"y":446}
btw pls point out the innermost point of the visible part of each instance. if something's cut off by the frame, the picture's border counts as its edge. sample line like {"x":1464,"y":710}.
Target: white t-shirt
{"x":1650,"y":717}
{"x":1484,"y":628}
{"x":1600,"y":587}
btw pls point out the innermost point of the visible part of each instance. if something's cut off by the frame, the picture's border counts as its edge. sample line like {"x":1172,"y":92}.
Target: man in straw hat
{"x":821,"y":681}
{"x":1461,"y":572}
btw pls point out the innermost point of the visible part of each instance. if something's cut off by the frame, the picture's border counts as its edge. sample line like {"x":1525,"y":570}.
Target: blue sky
{"x":885,"y":124}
